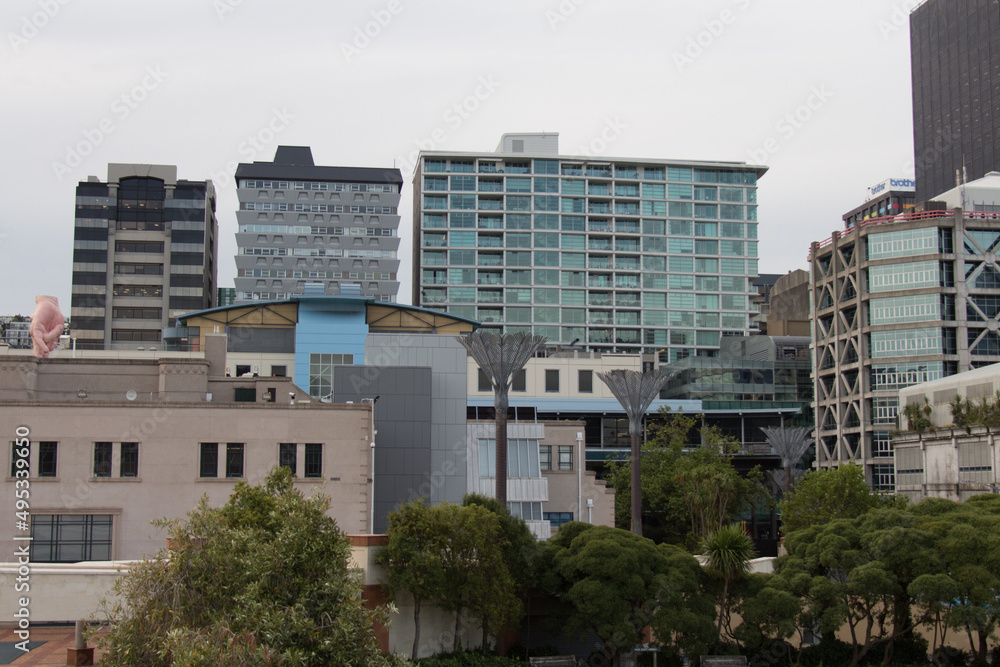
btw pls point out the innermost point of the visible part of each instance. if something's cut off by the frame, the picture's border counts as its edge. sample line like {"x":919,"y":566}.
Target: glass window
{"x":70,"y":538}
{"x":545,"y":457}
{"x":314,"y":460}
{"x":586,"y":382}
{"x":209,"y":460}
{"x":47,"y":459}
{"x":287,"y":456}
{"x":565,"y":457}
{"x":102,"y":459}
{"x":551,"y":380}
{"x":128,"y":465}
{"x":907,"y":275}
{"x":904,"y":243}
{"x":234,"y":459}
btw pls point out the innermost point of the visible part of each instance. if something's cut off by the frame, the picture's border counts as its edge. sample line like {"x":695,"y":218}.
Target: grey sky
{"x":189,"y":82}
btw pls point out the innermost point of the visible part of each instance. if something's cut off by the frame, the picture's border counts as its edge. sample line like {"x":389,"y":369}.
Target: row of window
{"x":328,"y":275}
{"x":123,"y":457}
{"x":326,"y":231}
{"x":672,"y":246}
{"x":584,"y":383}
{"x":316,"y":208}
{"x":525,"y":458}
{"x":553,"y":204}
{"x":674,"y":300}
{"x":709,"y":283}
{"x":254,"y":295}
{"x":318,"y":252}
{"x":603,"y":338}
{"x":314,"y":185}
{"x":577,"y":168}
{"x":576,"y":186}
{"x":570,"y":223}
{"x":568,"y":260}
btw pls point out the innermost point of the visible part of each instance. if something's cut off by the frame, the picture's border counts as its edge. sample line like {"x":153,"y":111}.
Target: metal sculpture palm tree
{"x":500,"y":357}
{"x":635,"y":391}
{"x":791,"y":444}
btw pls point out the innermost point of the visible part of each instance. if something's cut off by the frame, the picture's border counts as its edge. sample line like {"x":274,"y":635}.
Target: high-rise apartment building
{"x":613,"y":254}
{"x":301,"y":223}
{"x":898,"y":301}
{"x":955,"y":54}
{"x":144,"y":252}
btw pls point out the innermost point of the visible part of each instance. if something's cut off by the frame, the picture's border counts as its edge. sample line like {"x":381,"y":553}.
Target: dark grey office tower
{"x":144,"y":252}
{"x":955,"y":53}
{"x":299,"y":223}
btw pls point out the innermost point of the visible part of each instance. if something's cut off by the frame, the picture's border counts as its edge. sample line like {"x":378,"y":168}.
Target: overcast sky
{"x":818,"y":92}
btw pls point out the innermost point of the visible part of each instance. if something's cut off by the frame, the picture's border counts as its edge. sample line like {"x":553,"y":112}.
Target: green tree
{"x":729,"y":551}
{"x":617,"y":583}
{"x":412,"y":559}
{"x":476,"y":577}
{"x":689,"y":489}
{"x":263,"y":581}
{"x":519,"y":549}
{"x":825,"y":495}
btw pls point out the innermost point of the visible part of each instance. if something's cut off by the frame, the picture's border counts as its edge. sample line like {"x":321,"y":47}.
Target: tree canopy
{"x":825,"y":495}
{"x":616,"y":583}
{"x":263,"y":580}
{"x":689,"y":488}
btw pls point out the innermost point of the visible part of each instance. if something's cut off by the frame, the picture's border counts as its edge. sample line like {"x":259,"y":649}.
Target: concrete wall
{"x":169,"y":437}
{"x":58,"y":592}
{"x":588,"y":498}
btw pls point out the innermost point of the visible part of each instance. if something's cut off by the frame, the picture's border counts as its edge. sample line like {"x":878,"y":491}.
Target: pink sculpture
{"x":47,"y":323}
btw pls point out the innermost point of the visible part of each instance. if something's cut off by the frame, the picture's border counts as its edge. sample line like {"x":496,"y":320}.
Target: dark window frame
{"x":234,"y":460}
{"x":552,"y":380}
{"x":103,"y":456}
{"x":314,"y":460}
{"x":288,"y":456}
{"x":48,"y":458}
{"x":128,"y":462}
{"x":208,"y":460}
{"x":585,"y":387}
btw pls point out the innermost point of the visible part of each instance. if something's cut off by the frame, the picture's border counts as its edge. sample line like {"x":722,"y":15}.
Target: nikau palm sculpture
{"x":635,"y":391}
{"x":500,"y":357}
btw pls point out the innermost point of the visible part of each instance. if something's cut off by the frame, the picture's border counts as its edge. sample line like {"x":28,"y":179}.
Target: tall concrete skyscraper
{"x":301,"y":223}
{"x":611,"y":254}
{"x":955,"y":53}
{"x":144,"y":252}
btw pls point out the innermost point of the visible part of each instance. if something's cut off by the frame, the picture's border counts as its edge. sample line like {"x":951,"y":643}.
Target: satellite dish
{"x":130,"y":394}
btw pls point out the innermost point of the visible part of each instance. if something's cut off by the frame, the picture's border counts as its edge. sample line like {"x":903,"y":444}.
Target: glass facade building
{"x":955,"y":69}
{"x":299,"y":223}
{"x":895,"y":303}
{"x":616,"y":255}
{"x":144,"y":252}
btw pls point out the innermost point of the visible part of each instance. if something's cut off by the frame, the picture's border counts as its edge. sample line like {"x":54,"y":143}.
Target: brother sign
{"x":904,"y":184}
